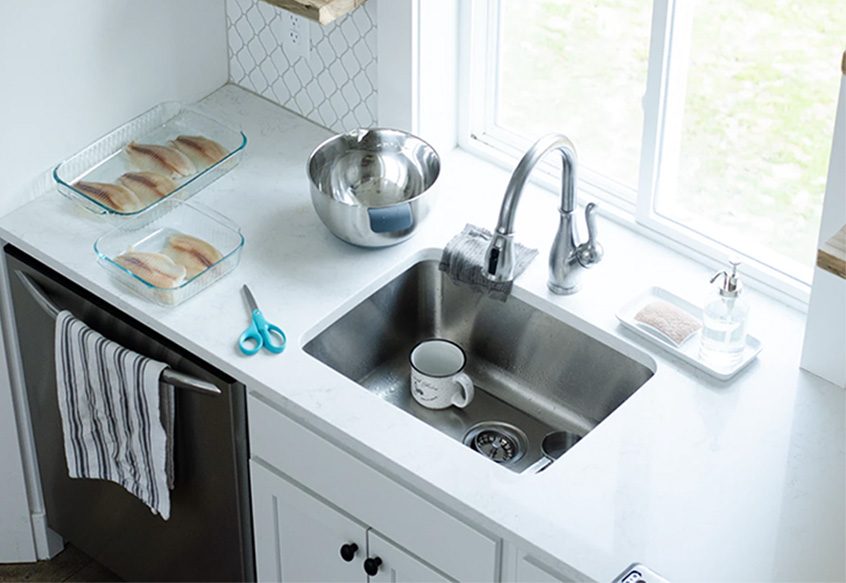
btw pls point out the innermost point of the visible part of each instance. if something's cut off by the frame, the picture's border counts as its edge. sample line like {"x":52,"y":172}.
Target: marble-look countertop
{"x":700,"y":479}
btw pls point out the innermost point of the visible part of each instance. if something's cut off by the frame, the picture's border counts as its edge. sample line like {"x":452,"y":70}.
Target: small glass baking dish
{"x":142,"y":234}
{"x":105,"y":160}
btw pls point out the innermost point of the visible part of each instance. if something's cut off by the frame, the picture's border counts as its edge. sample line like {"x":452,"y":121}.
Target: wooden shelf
{"x":832,"y":255}
{"x":322,"y":11}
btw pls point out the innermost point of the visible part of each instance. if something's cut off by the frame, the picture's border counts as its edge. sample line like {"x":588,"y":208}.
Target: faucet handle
{"x":590,"y":253}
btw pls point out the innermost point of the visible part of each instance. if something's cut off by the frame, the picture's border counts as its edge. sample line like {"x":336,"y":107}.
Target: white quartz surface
{"x":701,"y":480}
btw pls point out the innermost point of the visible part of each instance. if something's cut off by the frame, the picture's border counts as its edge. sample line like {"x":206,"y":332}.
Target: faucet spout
{"x":567,"y":258}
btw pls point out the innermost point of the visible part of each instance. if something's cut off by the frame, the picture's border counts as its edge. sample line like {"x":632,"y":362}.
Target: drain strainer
{"x":495,"y":445}
{"x":500,"y":442}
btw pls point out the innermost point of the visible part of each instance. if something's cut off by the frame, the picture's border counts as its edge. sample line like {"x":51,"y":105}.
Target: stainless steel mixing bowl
{"x":373,"y":187}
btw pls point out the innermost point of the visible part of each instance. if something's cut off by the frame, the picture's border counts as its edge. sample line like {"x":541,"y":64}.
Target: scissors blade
{"x":251,"y":300}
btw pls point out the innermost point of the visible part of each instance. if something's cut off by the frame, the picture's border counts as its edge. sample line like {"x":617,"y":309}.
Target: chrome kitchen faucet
{"x":567,"y":259}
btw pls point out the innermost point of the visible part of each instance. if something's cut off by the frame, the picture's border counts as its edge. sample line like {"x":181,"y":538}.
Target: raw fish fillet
{"x":149,"y":187}
{"x":154,"y":268}
{"x":203,"y":152}
{"x":160,"y":159}
{"x":113,"y":196}
{"x":194,"y":254}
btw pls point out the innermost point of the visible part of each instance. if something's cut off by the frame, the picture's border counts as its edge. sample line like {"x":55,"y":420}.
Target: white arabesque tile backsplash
{"x":334,"y":87}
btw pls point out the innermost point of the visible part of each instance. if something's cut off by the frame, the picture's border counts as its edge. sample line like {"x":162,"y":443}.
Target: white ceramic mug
{"x":437,"y":377}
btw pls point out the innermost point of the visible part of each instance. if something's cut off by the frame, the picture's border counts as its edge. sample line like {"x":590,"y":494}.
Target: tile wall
{"x":334,"y":87}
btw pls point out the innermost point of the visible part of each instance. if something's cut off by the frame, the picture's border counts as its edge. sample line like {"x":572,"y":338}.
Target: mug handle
{"x":463,"y":398}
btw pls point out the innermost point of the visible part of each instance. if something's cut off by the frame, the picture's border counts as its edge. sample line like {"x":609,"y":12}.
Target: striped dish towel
{"x":112,"y":408}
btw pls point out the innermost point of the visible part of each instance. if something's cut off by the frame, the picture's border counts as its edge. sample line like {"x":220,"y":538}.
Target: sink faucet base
{"x":563,"y":291}
{"x":564,"y":273}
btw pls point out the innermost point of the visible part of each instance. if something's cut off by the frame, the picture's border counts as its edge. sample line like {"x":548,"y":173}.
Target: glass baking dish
{"x":105,"y":160}
{"x":143,"y":234}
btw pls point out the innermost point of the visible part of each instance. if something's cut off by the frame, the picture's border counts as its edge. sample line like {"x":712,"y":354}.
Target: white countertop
{"x":699,"y":479}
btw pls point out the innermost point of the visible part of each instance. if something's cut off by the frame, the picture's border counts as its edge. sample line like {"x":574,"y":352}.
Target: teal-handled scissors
{"x":260,"y":332}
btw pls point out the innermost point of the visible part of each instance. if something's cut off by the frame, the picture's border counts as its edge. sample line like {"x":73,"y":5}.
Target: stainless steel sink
{"x":534,"y":373}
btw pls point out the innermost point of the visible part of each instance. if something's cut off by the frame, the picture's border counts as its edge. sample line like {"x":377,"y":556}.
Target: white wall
{"x":824,"y":351}
{"x":71,"y":71}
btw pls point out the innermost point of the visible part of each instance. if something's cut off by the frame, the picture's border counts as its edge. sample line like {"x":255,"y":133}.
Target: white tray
{"x":689,"y":349}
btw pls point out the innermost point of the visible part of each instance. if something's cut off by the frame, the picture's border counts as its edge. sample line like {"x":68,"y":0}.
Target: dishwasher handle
{"x":180,"y":380}
{"x":169,"y":376}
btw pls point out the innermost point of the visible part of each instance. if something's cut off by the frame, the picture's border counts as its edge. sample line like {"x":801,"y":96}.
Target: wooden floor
{"x":69,"y":565}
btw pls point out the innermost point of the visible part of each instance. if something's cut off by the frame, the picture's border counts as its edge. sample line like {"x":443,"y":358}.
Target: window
{"x":709,"y":120}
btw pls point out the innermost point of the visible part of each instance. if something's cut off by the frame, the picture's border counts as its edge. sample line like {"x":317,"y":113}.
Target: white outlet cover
{"x":296,"y":41}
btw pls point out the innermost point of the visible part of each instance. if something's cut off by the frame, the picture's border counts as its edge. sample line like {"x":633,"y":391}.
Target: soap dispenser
{"x":724,"y":322}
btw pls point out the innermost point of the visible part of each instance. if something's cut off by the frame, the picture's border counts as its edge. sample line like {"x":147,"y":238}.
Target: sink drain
{"x":500,"y":442}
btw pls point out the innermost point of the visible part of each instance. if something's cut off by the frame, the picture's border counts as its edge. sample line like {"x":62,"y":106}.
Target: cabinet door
{"x":433,"y":534}
{"x":528,"y":571}
{"x":520,"y":567}
{"x":298,"y":537}
{"x":398,"y":566}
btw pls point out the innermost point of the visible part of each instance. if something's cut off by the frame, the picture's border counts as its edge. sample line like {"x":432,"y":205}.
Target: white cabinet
{"x":310,"y":500}
{"x":396,"y":565}
{"x":521,"y":567}
{"x":300,"y":538}
{"x":529,"y":571}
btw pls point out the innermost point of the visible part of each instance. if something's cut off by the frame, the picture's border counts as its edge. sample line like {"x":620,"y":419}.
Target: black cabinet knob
{"x":371,"y":566}
{"x":348,"y":551}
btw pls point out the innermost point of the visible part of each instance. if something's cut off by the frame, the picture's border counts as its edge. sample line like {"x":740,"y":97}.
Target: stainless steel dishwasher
{"x":209,"y":534}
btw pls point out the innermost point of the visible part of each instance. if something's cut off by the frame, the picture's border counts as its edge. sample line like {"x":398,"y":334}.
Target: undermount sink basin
{"x":534,"y":374}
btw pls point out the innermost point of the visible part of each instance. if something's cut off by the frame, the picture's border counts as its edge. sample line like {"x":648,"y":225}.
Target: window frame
{"x":663,"y":104}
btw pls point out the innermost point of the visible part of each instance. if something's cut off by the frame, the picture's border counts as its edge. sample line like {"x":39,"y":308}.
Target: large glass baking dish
{"x":142,"y":234}
{"x":105,"y":160}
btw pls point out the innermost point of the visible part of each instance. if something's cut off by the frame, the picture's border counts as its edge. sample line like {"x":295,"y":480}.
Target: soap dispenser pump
{"x":724,"y":321}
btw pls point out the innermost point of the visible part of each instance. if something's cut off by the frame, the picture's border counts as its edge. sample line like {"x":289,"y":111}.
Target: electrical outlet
{"x":296,"y":42}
